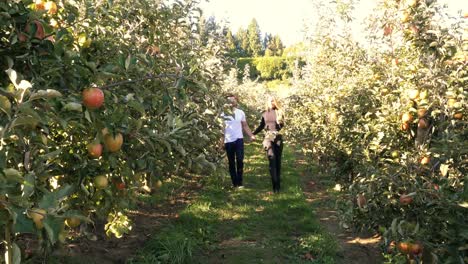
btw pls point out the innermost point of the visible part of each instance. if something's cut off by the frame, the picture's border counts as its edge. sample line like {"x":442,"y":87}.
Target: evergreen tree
{"x":255,"y":45}
{"x":279,"y":45}
{"x":209,"y":29}
{"x":275,"y":47}
{"x":243,"y":43}
{"x":231,"y":44}
{"x":202,"y":30}
{"x":266,"y":40}
{"x":211,"y":26}
{"x":269,"y":53}
{"x":271,"y":48}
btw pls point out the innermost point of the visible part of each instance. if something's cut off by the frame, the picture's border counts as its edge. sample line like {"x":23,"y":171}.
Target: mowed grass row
{"x":250,"y":225}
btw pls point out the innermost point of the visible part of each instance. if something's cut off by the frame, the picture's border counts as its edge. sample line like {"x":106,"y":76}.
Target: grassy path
{"x":197,"y":219}
{"x":250,"y":225}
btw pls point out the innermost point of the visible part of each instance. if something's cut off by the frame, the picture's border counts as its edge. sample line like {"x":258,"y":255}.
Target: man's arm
{"x":247,"y":130}
{"x":223,"y":132}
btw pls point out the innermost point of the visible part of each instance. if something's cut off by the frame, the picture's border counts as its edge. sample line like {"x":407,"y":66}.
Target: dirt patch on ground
{"x":355,"y":248}
{"x":146,"y":219}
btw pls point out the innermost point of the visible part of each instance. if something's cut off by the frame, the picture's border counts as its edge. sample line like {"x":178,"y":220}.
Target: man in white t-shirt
{"x":235,"y":123}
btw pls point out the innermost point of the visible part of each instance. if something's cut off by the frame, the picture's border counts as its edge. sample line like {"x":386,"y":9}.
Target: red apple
{"x":93,"y":98}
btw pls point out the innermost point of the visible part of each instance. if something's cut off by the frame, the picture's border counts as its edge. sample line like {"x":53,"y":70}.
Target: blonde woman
{"x":272,"y":122}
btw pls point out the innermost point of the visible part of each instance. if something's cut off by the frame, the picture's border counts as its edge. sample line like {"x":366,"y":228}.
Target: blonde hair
{"x":273,"y":104}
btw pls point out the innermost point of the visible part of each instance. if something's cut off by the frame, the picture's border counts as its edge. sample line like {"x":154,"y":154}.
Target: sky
{"x":287,"y":17}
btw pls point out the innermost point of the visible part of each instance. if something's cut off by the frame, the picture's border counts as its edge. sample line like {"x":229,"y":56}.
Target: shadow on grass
{"x":250,"y":225}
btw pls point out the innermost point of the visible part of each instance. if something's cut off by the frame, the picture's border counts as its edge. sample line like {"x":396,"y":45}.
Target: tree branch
{"x":148,"y":77}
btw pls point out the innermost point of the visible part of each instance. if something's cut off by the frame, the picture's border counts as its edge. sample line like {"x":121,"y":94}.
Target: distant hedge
{"x":241,"y":62}
{"x":269,"y":68}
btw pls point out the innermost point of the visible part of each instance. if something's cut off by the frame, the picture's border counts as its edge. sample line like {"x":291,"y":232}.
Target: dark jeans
{"x":235,"y":154}
{"x":275,"y":162}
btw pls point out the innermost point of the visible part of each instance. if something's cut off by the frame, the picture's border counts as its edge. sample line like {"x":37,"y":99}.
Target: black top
{"x":262,"y":126}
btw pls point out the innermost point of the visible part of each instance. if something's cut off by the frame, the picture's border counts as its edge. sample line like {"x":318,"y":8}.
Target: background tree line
{"x":248,"y":42}
{"x":268,"y":58}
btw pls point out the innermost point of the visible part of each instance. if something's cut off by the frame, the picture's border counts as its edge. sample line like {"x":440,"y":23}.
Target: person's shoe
{"x":240,"y":187}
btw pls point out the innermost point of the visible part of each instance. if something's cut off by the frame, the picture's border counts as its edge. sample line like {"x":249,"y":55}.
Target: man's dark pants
{"x":235,"y":154}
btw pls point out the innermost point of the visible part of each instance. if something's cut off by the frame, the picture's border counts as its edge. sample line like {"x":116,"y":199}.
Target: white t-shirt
{"x":233,"y":130}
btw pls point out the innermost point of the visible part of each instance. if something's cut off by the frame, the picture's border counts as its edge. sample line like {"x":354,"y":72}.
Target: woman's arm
{"x":279,"y":120}
{"x":279,"y":126}
{"x":260,"y":127}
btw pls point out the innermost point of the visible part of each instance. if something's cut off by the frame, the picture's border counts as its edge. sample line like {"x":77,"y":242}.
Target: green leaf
{"x":46,"y":94}
{"x":400,"y":228}
{"x":13,"y":175}
{"x":134,"y":60}
{"x":73,"y":107}
{"x":394,"y":226}
{"x":23,"y":224}
{"x":52,"y":93}
{"x":9,"y":61}
{"x":38,"y":95}
{"x":180,"y":83}
{"x":181,"y":150}
{"x":16,"y":254}
{"x":52,"y":154}
{"x":29,"y":181}
{"x":27,"y":109}
{"x":48,"y":201}
{"x":416,"y":229}
{"x":121,"y":61}
{"x":113,"y":161}
{"x":64,"y":191}
{"x":24,"y":121}
{"x":167,"y":144}
{"x":53,"y":225}
{"x":167,"y":100}
{"x":51,"y":200}
{"x":87,"y":116}
{"x":4,"y":217}
{"x":137,"y":106}
{"x":128,"y":61}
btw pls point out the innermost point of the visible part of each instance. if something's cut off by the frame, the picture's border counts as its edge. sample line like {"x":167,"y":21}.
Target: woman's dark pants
{"x":275,"y":162}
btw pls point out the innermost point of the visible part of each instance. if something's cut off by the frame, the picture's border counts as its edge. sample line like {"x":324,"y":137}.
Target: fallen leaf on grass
{"x":259,"y":209}
{"x":308,"y":256}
